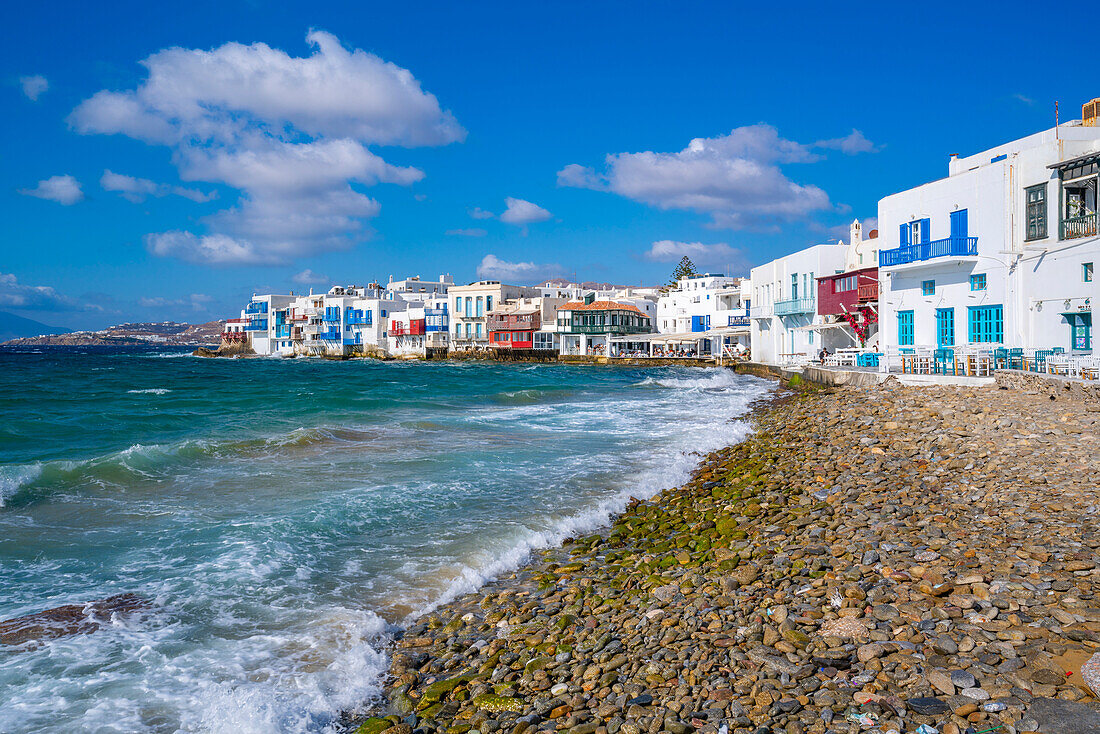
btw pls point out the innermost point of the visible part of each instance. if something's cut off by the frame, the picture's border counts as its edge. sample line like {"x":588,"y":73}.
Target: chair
{"x":1000,"y":358}
{"x":1089,"y":368}
{"x":1016,"y":358}
{"x":944,"y":359}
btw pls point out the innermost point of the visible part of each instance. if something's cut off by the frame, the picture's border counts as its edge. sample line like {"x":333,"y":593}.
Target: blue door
{"x":959,"y":225}
{"x":945,"y":327}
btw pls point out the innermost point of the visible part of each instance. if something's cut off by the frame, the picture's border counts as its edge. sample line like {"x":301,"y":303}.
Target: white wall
{"x":775,"y":338}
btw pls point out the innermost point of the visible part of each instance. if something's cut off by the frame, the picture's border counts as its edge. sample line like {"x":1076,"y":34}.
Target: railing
{"x":950,"y":247}
{"x":296,"y":333}
{"x":366,"y":320}
{"x":794,"y":306}
{"x":1079,"y":227}
{"x":234,"y":336}
{"x":760,"y":312}
{"x":332,"y":335}
{"x":868,"y":291}
{"x":605,"y":329}
{"x":332,"y":317}
{"x":252,"y":308}
{"x":518,"y":323}
{"x":259,"y":325}
{"x":282,"y":331}
{"x":402,"y":330}
{"x":738,"y":321}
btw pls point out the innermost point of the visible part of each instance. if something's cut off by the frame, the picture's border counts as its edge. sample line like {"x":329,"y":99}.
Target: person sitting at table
{"x":822,"y":355}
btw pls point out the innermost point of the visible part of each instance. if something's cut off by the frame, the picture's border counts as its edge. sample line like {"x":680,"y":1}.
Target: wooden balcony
{"x":868,"y":292}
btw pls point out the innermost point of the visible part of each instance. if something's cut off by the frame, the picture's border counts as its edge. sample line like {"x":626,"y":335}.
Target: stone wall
{"x":1059,"y":388}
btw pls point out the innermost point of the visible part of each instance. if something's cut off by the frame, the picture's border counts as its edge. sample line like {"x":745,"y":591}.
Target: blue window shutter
{"x":959,"y":225}
{"x":926,"y":230}
{"x":903,"y":238}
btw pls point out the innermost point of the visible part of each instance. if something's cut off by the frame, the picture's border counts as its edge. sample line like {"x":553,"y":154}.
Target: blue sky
{"x":363,"y":140}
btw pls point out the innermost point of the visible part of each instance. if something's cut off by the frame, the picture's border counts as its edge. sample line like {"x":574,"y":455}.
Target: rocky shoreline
{"x":882,"y":559}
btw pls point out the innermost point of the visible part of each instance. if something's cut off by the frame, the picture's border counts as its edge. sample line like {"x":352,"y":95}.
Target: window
{"x":843,"y":285}
{"x":488,"y":303}
{"x":480,"y":306}
{"x":1036,"y":197}
{"x":945,"y":327}
{"x":1086,"y":272}
{"x":987,"y":324}
{"x":928,"y":288}
{"x":977,"y":282}
{"x":905,"y":328}
{"x":1080,"y":330}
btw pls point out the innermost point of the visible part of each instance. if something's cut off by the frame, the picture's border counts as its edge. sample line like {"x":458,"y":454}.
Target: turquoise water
{"x":285,"y":515}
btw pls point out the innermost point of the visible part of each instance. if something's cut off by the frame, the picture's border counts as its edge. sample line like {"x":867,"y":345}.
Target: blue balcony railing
{"x":794,"y":306}
{"x":332,"y":335}
{"x":282,"y":331}
{"x":332,"y":317}
{"x":256,"y":307}
{"x":360,"y":318}
{"x":257,"y":325}
{"x":949,"y":247}
{"x":738,"y":321}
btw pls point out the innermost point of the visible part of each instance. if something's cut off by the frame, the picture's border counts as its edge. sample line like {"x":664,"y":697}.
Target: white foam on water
{"x":13,"y":478}
{"x":249,"y":636}
{"x":150,"y":391}
{"x":674,"y":462}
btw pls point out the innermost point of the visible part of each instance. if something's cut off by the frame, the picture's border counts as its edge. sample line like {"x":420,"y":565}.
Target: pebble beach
{"x":888,"y":558}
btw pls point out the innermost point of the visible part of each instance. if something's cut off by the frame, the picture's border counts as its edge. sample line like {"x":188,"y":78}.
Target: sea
{"x":285,"y":518}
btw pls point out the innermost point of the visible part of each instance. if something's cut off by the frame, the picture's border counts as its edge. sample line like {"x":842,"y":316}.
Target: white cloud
{"x":467,"y":232}
{"x":138,"y":189}
{"x":65,"y":190}
{"x":479,"y":213}
{"x":735,"y":178}
{"x":308,"y":277}
{"x":14,"y":294}
{"x":219,"y":94}
{"x":493,"y":268}
{"x":216,"y":249}
{"x":523,"y":212}
{"x":290,"y":133}
{"x":34,"y":86}
{"x":851,"y":144}
{"x":197,"y":301}
{"x":701,"y":254}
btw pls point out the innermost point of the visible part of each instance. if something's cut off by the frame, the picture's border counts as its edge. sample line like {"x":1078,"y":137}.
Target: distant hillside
{"x":13,"y":327}
{"x":168,"y":333}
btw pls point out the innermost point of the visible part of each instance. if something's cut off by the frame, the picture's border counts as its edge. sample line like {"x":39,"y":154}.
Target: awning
{"x":681,"y":338}
{"x":1078,"y":162}
{"x":823,"y":327}
{"x":727,"y":331}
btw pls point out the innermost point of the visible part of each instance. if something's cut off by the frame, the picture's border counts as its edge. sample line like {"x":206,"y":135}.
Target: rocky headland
{"x":887,"y":559}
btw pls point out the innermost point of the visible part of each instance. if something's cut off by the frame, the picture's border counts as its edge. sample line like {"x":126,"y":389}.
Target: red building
{"x":845,"y":292}
{"x":852,"y":297}
{"x":513,"y":329}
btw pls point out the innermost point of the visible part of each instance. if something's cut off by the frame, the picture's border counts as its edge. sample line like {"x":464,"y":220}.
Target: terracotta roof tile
{"x":600,"y":306}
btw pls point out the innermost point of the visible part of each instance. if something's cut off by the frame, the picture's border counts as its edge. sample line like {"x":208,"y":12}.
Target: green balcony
{"x":795,"y":306}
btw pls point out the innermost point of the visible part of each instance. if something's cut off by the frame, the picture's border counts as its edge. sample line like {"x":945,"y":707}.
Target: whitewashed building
{"x":1001,"y":252}
{"x":713,"y":308}
{"x":470,"y":306}
{"x":784,"y":303}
